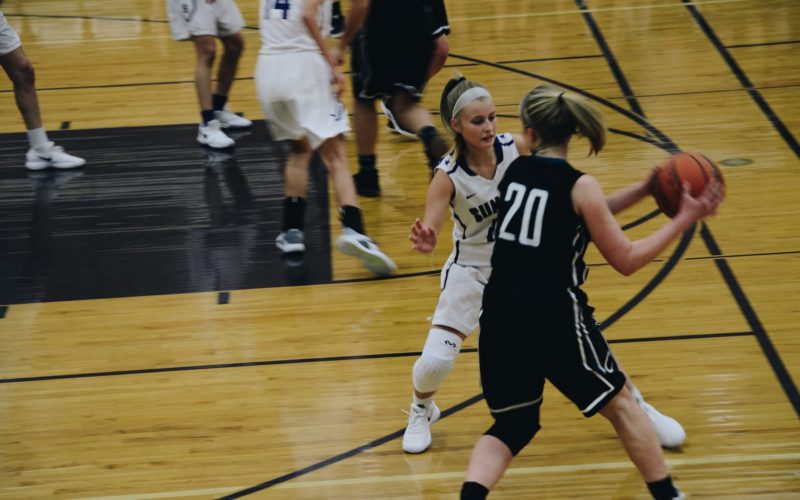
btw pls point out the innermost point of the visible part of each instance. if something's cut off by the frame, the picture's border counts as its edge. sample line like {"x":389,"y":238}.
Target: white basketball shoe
{"x":670,"y":433}
{"x":360,"y":246}
{"x":230,"y":120}
{"x":51,"y":155}
{"x":211,"y":135}
{"x":417,"y":437}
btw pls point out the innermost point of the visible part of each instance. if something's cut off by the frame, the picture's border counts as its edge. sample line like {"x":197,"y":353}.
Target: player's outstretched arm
{"x":424,"y":233}
{"x":628,"y":256}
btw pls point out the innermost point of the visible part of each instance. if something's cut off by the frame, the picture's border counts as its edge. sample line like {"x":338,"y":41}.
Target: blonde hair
{"x":557,"y":116}
{"x":453,"y":89}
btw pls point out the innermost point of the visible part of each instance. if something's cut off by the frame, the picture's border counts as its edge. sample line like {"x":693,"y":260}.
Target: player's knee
{"x":234,"y":45}
{"x":517,"y":427}
{"x":437,"y":359}
{"x":622,"y":403}
{"x":206,"y":51}
{"x":23,"y":74}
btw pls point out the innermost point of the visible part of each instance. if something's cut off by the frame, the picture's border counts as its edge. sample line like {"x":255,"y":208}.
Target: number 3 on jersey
{"x":535,"y":201}
{"x":277,"y":9}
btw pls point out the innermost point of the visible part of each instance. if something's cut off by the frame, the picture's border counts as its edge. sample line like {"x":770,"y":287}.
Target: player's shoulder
{"x":447,"y":164}
{"x":505,"y":139}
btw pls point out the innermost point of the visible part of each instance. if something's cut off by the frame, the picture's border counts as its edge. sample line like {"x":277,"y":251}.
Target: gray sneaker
{"x":291,"y":241}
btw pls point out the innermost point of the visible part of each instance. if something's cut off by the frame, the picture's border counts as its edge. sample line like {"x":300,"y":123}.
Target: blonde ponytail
{"x":557,"y":116}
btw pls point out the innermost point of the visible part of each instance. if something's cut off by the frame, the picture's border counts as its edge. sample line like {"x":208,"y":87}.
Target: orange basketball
{"x":667,"y":180}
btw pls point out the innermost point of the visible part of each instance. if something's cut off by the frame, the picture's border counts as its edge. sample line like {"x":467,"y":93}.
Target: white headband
{"x":469,"y":96}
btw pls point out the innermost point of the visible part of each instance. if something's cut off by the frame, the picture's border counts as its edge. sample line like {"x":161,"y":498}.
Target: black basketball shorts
{"x":526,"y":339}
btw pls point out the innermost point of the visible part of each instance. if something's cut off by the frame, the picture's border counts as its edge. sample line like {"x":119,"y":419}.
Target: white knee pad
{"x":438,"y":357}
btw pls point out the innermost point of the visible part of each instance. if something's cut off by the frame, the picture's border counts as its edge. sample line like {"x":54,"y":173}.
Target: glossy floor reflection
{"x":151,"y":213}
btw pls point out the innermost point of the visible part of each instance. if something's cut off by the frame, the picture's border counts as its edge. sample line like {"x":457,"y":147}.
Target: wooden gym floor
{"x":151,"y":346}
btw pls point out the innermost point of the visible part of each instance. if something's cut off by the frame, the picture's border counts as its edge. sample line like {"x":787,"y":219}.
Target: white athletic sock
{"x":426,"y":402}
{"x":37,"y":137}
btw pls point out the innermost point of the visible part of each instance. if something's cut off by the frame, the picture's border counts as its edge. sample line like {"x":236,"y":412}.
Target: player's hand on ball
{"x":706,"y":203}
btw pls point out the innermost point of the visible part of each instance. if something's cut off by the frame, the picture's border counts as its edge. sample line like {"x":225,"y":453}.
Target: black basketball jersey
{"x":540,"y":240}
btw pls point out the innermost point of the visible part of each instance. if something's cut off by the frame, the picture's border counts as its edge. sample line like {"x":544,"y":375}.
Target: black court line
{"x":764,"y":341}
{"x":663,"y":141}
{"x":640,"y":137}
{"x":707,"y":92}
{"x":342,"y":456}
{"x":762,"y":44}
{"x":453,"y":409}
{"x":610,"y":59}
{"x":521,"y":61}
{"x":327,"y":359}
{"x":657,"y":279}
{"x":98,"y":18}
{"x":743,"y":79}
{"x":738,"y":255}
{"x":642,"y":220}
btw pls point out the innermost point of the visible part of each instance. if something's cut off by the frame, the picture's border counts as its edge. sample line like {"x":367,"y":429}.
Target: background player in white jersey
{"x":43,"y":153}
{"x":298,"y":84}
{"x":536,"y":322}
{"x":203,"y":21}
{"x":467,"y":181}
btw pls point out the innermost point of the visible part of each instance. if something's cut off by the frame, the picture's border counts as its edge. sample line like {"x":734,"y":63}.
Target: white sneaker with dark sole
{"x":211,"y":135}
{"x":360,"y":246}
{"x":51,"y":156}
{"x":417,"y":437}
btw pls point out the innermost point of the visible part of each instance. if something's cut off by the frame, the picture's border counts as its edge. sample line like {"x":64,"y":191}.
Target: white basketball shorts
{"x":188,"y":18}
{"x":9,"y":40}
{"x":460,"y":300}
{"x":297,"y":98}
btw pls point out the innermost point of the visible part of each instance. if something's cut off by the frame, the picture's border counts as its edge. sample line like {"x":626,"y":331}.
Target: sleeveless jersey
{"x":282,"y":28}
{"x":540,"y":240}
{"x":475,"y":202}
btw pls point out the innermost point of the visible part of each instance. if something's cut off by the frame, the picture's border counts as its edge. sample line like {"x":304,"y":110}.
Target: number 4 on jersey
{"x":277,"y":8}
{"x":534,"y":198}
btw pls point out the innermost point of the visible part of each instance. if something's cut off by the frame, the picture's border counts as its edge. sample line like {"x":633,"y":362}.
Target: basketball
{"x":666,"y":183}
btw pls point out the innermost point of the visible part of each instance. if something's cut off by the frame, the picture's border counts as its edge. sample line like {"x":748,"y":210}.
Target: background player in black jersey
{"x":536,"y":323}
{"x":399,"y":48}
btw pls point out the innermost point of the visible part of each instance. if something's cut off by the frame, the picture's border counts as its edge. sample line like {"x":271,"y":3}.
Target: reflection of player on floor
{"x":536,"y":321}
{"x":203,"y":21}
{"x":293,"y":78}
{"x":42,"y":153}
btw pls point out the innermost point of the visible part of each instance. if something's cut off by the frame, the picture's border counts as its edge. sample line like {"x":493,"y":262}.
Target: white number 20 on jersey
{"x":535,"y":199}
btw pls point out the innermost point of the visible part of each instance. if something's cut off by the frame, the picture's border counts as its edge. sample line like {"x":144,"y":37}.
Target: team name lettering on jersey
{"x":485,"y":210}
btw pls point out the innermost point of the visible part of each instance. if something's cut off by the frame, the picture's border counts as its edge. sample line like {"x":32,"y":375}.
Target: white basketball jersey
{"x":474,"y":204}
{"x":282,"y":28}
